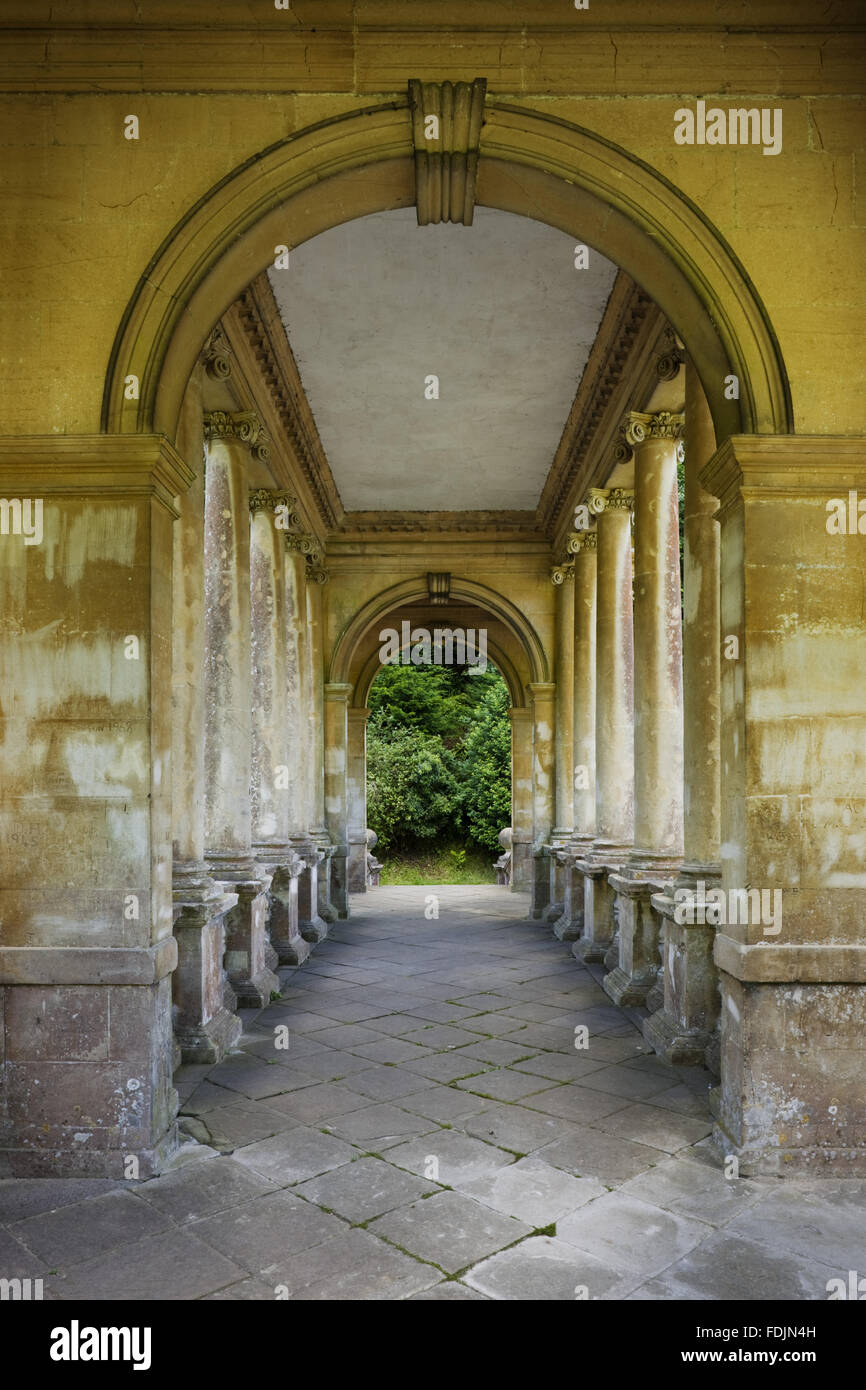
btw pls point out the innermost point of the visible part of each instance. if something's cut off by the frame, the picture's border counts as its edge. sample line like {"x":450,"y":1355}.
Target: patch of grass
{"x":545,"y":1230}
{"x":436,"y":866}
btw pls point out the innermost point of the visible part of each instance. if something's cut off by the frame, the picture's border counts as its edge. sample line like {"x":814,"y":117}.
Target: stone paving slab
{"x":546,"y":1268}
{"x":259,"y":1234}
{"x":295,"y":1155}
{"x":63,"y":1238}
{"x":449,"y":1230}
{"x":370,"y":1187}
{"x":630,"y":1235}
{"x":533,"y":1191}
{"x":441,"y":1047}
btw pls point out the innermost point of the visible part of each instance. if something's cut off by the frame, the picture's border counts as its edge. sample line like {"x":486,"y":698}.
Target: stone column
{"x":357,"y":795}
{"x":271,"y":753}
{"x":685,"y":1028}
{"x":614,"y":803}
{"x":301,"y":736}
{"x":562,"y":577}
{"x":228,"y":730}
{"x":583,"y":547}
{"x":658,"y":706}
{"x":543,"y":792}
{"x":521,"y":798}
{"x":317,"y":578}
{"x":204,"y":1027}
{"x":337,"y":698}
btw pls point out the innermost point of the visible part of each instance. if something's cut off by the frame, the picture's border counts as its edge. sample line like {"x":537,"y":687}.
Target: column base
{"x":675,"y":1045}
{"x":209,"y":1043}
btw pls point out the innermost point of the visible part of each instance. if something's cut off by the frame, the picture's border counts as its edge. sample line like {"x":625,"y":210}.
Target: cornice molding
{"x":105,"y":467}
{"x":512,"y":523}
{"x":271,"y":358}
{"x":623,"y":348}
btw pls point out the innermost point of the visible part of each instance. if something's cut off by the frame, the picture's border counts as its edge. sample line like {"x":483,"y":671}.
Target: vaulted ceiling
{"x":497,"y":312}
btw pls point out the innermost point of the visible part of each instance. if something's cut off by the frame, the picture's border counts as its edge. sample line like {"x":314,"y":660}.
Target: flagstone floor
{"x":431,"y":1132}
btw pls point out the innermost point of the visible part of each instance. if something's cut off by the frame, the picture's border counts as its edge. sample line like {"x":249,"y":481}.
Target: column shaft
{"x":614,"y":733}
{"x":336,"y":789}
{"x":521,"y":798}
{"x":228,"y":666}
{"x":204,"y":1027}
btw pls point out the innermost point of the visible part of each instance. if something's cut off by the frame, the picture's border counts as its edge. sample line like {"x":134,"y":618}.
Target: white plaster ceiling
{"x":497,"y":311}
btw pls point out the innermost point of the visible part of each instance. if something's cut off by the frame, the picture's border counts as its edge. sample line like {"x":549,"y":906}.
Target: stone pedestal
{"x":323,"y":882}
{"x":284,"y":934}
{"x":539,"y":892}
{"x":311,"y":924}
{"x":339,"y":882}
{"x":247,"y":970}
{"x":598,"y":921}
{"x":357,"y":861}
{"x":682,"y":1027}
{"x":553,"y":911}
{"x":569,"y":924}
{"x":637,"y":968}
{"x":204,"y":1028}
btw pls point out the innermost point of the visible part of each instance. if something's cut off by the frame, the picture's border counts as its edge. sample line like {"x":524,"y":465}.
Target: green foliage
{"x":438,"y":758}
{"x":487,"y":770}
{"x":412,"y":788}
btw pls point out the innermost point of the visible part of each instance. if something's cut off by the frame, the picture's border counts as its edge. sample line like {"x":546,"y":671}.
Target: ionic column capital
{"x":216,"y":355}
{"x":596,"y":500}
{"x":640,"y":426}
{"x":620,"y":499}
{"x":562,"y":574}
{"x":242,"y":425}
{"x":265,"y":499}
{"x":305,"y":544}
{"x":582,"y":541}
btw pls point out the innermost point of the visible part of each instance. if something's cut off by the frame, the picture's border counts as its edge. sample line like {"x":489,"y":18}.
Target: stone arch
{"x":530,"y":164}
{"x":343,"y":664}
